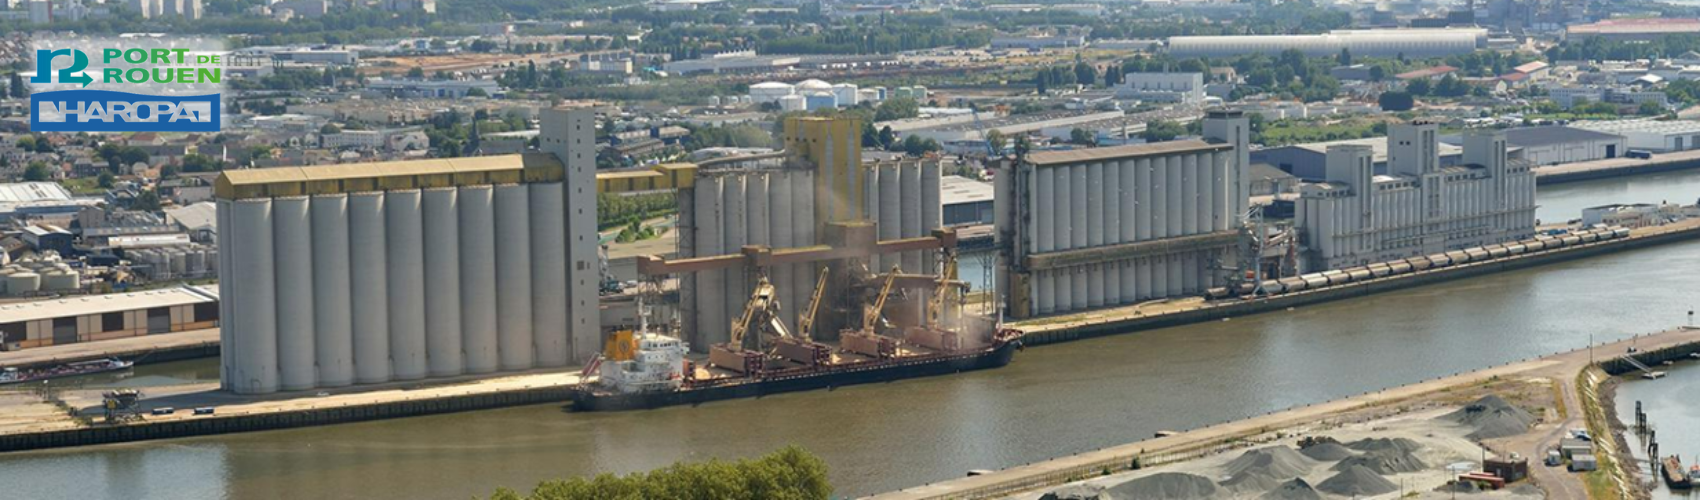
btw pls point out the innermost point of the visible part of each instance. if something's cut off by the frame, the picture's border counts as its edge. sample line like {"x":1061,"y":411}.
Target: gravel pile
{"x":1168,"y":486}
{"x":1280,"y":461}
{"x":1077,"y":492}
{"x":1328,"y":452}
{"x":1297,"y":489}
{"x":1383,"y":462}
{"x":1492,"y":417}
{"x":1357,"y":481}
{"x":1384,"y":445}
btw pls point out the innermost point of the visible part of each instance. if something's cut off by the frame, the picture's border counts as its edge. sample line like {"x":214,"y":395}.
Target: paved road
{"x":125,"y":347}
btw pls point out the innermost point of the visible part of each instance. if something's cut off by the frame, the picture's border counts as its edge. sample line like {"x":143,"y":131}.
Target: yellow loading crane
{"x":947,"y":275}
{"x":873,"y":315}
{"x":806,"y":322}
{"x":732,"y":355}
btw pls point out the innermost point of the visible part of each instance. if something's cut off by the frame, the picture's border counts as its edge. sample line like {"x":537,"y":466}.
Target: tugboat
{"x":642,"y":369}
{"x":1674,"y":476}
{"x":17,"y":376}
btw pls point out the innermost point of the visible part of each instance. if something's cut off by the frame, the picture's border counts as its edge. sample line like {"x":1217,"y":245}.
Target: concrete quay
{"x":1559,"y":367}
{"x":1616,"y":167}
{"x":27,"y":422}
{"x":1175,"y":312}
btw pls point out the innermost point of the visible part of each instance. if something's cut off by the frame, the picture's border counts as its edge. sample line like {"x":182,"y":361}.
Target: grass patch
{"x":1603,"y":482}
{"x":83,"y":186}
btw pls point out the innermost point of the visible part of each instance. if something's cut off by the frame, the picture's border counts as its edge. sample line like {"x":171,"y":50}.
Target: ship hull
{"x":586,"y":400}
{"x":107,"y":369}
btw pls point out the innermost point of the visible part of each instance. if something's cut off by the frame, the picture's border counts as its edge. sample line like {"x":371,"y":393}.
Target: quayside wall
{"x":1053,"y":330}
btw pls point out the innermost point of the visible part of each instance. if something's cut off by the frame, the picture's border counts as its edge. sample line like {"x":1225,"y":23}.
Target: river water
{"x":1052,"y":401}
{"x":1674,"y":412}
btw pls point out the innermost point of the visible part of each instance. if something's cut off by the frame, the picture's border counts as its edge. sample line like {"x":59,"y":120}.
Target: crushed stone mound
{"x":1297,"y":489}
{"x":1384,"y":445}
{"x":1077,"y":492}
{"x":1282,"y":462}
{"x":1265,"y":468}
{"x":1357,"y":481}
{"x":1492,"y":417}
{"x":1168,"y":486}
{"x":1328,"y":452}
{"x":1383,"y":462}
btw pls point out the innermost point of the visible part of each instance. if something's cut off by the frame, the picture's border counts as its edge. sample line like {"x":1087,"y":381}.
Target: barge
{"x":19,"y":376}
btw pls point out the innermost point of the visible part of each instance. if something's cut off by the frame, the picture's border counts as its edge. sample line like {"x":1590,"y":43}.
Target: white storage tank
{"x":59,"y":280}
{"x":179,"y":262}
{"x":792,"y":103}
{"x":846,"y":94}
{"x":767,"y":92}
{"x":23,"y":282}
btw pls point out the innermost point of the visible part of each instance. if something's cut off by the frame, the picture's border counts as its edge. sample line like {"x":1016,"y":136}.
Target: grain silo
{"x":370,"y":273}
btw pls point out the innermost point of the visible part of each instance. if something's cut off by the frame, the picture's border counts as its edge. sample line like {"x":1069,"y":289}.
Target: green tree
{"x":1650,"y":108}
{"x":1420,"y":86}
{"x":1162,"y":130}
{"x":329,"y":129}
{"x":37,"y":172}
{"x":477,"y":92}
{"x":1085,"y":73}
{"x":146,"y":201}
{"x":1345,"y":58}
{"x":1396,"y":101}
{"x":1082,"y":137}
{"x":105,"y":180}
{"x":788,"y":474}
{"x":997,"y":140}
{"x":897,"y":109}
{"x":416,"y":73}
{"x":1022,"y":147}
{"x":17,"y":87}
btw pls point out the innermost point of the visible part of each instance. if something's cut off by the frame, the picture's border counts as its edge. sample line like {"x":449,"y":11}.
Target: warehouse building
{"x":369,"y":273}
{"x":1411,"y":43}
{"x":967,"y":202}
{"x":1650,"y":135}
{"x":1356,"y":217}
{"x":1309,"y":161}
{"x":1103,"y":227}
{"x":1185,"y":88}
{"x":1556,"y":145}
{"x":26,"y":325}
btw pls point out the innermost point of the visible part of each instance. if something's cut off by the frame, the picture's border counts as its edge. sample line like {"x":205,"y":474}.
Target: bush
{"x":787,"y":474}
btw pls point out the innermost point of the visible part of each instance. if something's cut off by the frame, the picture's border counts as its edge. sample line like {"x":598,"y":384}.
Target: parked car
{"x":1639,"y":154}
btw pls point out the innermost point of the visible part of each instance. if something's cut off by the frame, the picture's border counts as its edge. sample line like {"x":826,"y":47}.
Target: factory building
{"x":25,"y":325}
{"x":1185,"y":88}
{"x":1356,"y":217}
{"x":1309,"y":161}
{"x":370,"y":273}
{"x":1412,"y":43}
{"x":1650,"y":135}
{"x":1104,"y":227}
{"x":823,"y":184}
{"x":1555,"y":145}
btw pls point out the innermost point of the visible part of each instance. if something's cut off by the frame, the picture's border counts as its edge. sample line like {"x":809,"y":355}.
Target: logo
{"x":151,"y":85}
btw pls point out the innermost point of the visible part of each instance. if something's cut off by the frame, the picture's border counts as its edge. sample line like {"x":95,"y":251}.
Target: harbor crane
{"x":867,"y":341}
{"x":806,"y":322}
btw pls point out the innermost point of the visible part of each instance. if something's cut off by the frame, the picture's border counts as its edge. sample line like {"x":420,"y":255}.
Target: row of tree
{"x":787,"y":474}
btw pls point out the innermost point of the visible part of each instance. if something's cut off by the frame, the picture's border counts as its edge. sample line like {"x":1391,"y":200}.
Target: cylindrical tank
{"x":443,"y":339}
{"x":549,"y":276}
{"x":891,"y":213}
{"x":513,"y":277}
{"x":755,"y":187}
{"x":23,"y":282}
{"x":404,"y":228}
{"x":369,"y":287}
{"x":254,"y":340}
{"x":292,"y":237}
{"x":333,"y":317}
{"x":845,"y":94}
{"x":59,"y":280}
{"x":912,"y":214}
{"x":180,"y":260}
{"x":735,"y":196}
{"x":478,"y":278}
{"x":874,"y":209}
{"x":197,"y":263}
{"x":227,"y":299}
{"x":5,"y":274}
{"x":779,"y":235}
{"x":711,"y":292}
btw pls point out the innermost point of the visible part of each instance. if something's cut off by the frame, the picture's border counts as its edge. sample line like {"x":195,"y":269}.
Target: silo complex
{"x":379,"y":272}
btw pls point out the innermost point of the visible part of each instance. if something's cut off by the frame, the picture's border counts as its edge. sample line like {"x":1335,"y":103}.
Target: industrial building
{"x":967,"y":202}
{"x":369,"y":273}
{"x":1412,"y":43}
{"x":1110,"y":226}
{"x":1650,"y":135}
{"x":818,"y":201}
{"x":1309,"y":161}
{"x":70,"y":320}
{"x":1555,"y":145}
{"x":1185,"y":88}
{"x":1633,"y":29}
{"x":1356,"y":217}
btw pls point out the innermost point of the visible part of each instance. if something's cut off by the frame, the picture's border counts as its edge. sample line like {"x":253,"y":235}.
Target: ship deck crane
{"x":806,"y":322}
{"x":759,"y":310}
{"x":870,"y":318}
{"x":947,"y":275}
{"x":867,"y":341}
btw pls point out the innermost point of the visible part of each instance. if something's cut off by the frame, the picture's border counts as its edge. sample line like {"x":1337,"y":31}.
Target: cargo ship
{"x":657,"y":373}
{"x":640,"y":369}
{"x":17,"y":376}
